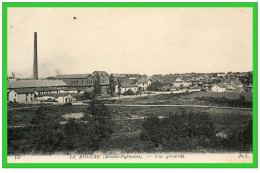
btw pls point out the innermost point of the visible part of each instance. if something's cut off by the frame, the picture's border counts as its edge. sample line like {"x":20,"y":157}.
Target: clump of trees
{"x":97,"y":86}
{"x":240,"y":102}
{"x":248,"y":79}
{"x":45,"y":133}
{"x":240,"y":141}
{"x":111,"y":87}
{"x":178,"y":131}
{"x":155,"y":86}
{"x":192,"y":131}
{"x":129,"y":92}
{"x":48,"y":133}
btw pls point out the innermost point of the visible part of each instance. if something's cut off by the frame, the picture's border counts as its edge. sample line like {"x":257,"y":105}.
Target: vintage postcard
{"x":113,"y":83}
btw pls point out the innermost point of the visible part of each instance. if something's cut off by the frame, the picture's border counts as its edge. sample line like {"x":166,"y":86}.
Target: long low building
{"x":35,"y":84}
{"x":84,"y":80}
{"x":124,"y":87}
{"x":24,"y":91}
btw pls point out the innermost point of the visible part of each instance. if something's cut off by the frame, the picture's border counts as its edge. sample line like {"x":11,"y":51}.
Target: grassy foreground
{"x":128,"y":124}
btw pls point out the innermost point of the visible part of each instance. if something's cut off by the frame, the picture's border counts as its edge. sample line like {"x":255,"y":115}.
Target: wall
{"x":21,"y":98}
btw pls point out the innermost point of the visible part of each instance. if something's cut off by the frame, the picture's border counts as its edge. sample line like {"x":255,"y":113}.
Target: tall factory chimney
{"x":35,"y":61}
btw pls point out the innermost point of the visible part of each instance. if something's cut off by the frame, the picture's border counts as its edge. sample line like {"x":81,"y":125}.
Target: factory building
{"x":85,"y":81}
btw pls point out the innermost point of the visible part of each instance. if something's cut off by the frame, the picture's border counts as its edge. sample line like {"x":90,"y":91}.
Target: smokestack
{"x":35,"y":63}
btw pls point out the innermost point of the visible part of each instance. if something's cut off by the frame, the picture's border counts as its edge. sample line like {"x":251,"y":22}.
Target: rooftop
{"x":72,"y":76}
{"x":128,"y":85}
{"x":35,"y":83}
{"x":143,"y":81}
{"x":24,"y":90}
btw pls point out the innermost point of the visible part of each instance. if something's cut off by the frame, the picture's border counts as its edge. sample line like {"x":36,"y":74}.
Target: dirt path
{"x":129,"y":105}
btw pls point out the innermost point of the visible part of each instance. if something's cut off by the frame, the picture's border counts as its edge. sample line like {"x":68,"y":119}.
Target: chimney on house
{"x":35,"y":61}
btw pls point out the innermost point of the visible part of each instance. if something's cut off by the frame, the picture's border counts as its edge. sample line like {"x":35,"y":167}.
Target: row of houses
{"x":140,"y":85}
{"x":227,"y":85}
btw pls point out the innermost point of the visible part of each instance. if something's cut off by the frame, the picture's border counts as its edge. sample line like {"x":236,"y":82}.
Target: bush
{"x":177,"y":132}
{"x":99,"y":122}
{"x":241,"y":102}
{"x":129,"y":92}
{"x":68,"y":104}
{"x":155,"y":86}
{"x":47,"y":135}
{"x":241,"y":141}
{"x":79,"y":137}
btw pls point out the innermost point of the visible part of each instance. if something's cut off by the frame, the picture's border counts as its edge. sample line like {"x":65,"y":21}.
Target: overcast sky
{"x":130,"y":40}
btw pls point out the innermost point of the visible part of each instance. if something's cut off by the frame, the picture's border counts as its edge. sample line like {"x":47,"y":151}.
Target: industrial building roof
{"x":35,"y":83}
{"x":72,"y":76}
{"x":46,"y":89}
{"x":24,"y":90}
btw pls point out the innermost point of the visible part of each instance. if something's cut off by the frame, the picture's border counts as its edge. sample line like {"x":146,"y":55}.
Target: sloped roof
{"x":72,"y":76}
{"x":120,"y":75}
{"x":143,"y":81}
{"x":70,"y":89}
{"x":237,"y":83}
{"x":24,"y":90}
{"x":76,"y":94}
{"x":57,"y":95}
{"x":221,"y":85}
{"x":35,"y":83}
{"x":46,"y":89}
{"x":128,"y":85}
{"x":178,"y":80}
{"x":195,"y":87}
{"x":100,"y":72}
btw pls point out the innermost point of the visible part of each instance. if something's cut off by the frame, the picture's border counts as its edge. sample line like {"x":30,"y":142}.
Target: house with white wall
{"x":64,"y":98}
{"x":23,"y":95}
{"x":143,"y":84}
{"x":219,"y":87}
{"x":181,"y":83}
{"x":126,"y":87}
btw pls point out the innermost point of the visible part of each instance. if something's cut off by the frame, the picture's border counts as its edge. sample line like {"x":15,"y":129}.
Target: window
{"x":26,"y":99}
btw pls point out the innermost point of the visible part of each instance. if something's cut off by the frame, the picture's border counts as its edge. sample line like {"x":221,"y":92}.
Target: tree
{"x":129,"y":92}
{"x":156,"y":85}
{"x":242,"y":98}
{"x":99,"y":122}
{"x":88,"y":96}
{"x":151,"y":130}
{"x":79,"y":137}
{"x":97,"y":86}
{"x":119,"y":87}
{"x":178,"y":131}
{"x":111,"y":89}
{"x":46,"y":132}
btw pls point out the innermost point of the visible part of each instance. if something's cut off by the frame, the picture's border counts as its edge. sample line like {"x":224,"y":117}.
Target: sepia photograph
{"x":130,"y":85}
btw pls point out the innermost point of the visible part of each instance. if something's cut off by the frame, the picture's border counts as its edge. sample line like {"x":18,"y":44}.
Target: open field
{"x":127,"y":132}
{"x":128,"y":123}
{"x":228,"y":95}
{"x":197,"y":98}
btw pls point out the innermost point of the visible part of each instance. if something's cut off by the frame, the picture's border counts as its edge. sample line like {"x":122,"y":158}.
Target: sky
{"x":130,"y":40}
